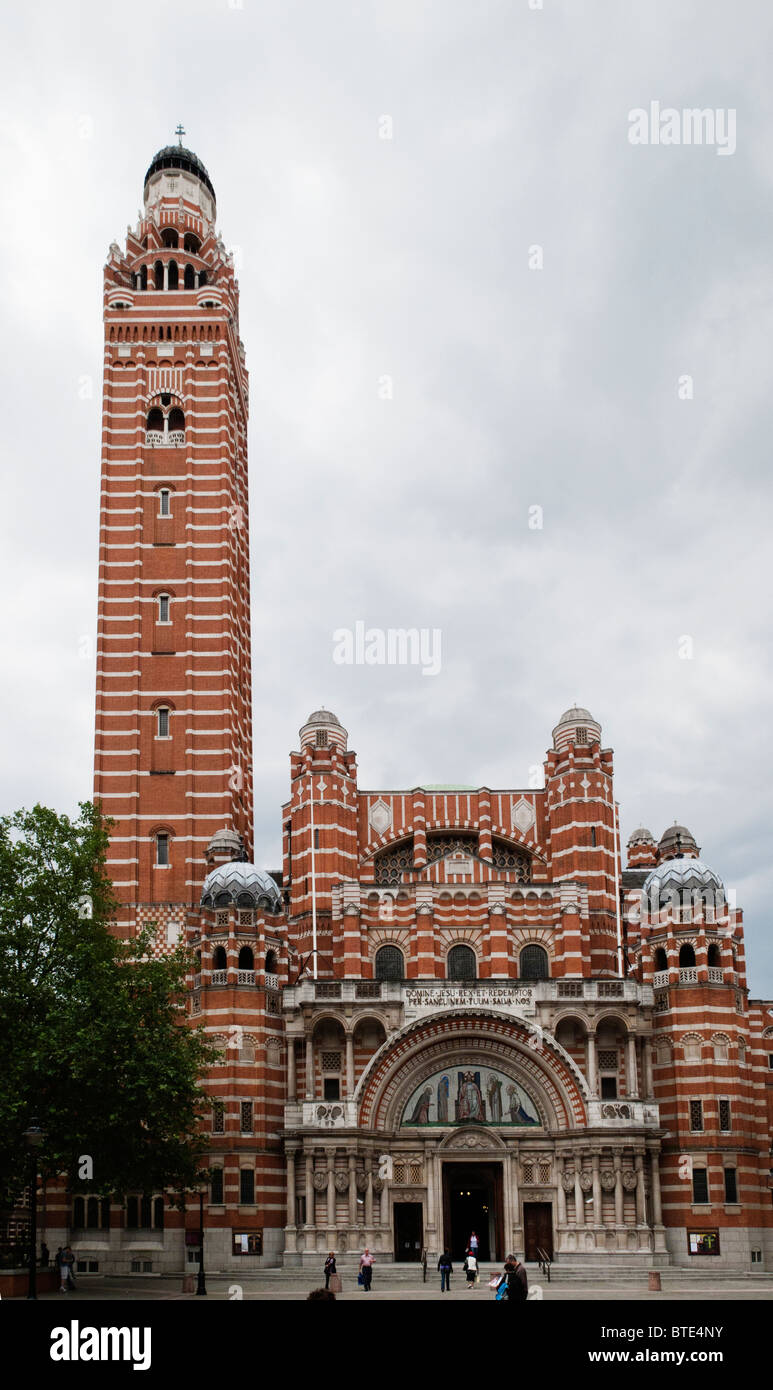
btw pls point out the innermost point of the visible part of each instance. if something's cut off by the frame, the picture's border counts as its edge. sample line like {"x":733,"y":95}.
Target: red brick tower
{"x":173,"y":749}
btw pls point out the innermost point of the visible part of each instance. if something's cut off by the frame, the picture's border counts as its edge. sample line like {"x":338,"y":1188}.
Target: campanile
{"x":173,"y":745}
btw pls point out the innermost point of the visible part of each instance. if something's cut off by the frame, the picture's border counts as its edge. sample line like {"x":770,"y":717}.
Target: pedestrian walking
{"x":513,"y":1286}
{"x":45,"y":1255}
{"x":330,"y":1268}
{"x":70,"y":1263}
{"x":445,"y":1265}
{"x":64,"y":1269}
{"x":366,"y":1269}
{"x":470,"y":1268}
{"x":473,"y":1244}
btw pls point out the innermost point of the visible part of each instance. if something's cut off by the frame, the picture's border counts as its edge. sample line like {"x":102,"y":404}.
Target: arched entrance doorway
{"x":473,"y":1201}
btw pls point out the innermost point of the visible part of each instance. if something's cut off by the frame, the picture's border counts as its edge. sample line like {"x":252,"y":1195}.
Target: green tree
{"x":93,"y":1034}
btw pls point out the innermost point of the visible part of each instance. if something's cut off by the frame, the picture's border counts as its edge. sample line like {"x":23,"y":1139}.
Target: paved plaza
{"x":285,"y":1285}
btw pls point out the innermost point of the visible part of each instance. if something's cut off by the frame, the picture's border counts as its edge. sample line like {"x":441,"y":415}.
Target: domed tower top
{"x":642,"y":850}
{"x":577,"y":726}
{"x":323,"y":729}
{"x":677,"y":843}
{"x":176,"y":172}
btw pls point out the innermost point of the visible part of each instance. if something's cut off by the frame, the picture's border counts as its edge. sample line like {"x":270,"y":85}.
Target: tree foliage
{"x":93,"y":1035}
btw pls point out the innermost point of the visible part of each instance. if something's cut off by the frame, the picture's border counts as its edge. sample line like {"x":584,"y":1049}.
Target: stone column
{"x":618,"y":1190}
{"x":352,"y":1195}
{"x":649,"y":1086}
{"x":349,"y":1065}
{"x":368,"y":1196}
{"x":429,"y":1171}
{"x":657,"y":1207}
{"x":331,"y":1191}
{"x":560,"y":1191}
{"x":309,"y":1068}
{"x":166,"y":275}
{"x":592,"y":1072}
{"x":515,"y":1203}
{"x":597,"y":1207}
{"x":310,"y":1190}
{"x":290,"y":1233}
{"x":579,"y":1200}
{"x":292,"y":1085}
{"x":631,"y":1079}
{"x":641,"y":1205}
{"x":383,"y":1209}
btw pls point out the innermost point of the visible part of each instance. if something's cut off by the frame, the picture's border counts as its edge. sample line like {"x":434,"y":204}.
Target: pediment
{"x":472,"y":1139}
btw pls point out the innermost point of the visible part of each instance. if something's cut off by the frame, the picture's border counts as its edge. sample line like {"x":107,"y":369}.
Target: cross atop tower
{"x":180,"y":131}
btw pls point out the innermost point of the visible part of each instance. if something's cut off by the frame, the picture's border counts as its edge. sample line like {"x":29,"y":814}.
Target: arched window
{"x":165,"y":502}
{"x":202,"y":277}
{"x":78,"y":1213}
{"x":189,"y":277}
{"x":247,"y":1186}
{"x":534,"y":963}
{"x":462,"y":964}
{"x":270,"y":966}
{"x":158,"y":275}
{"x":172,"y":275}
{"x":170,"y":238}
{"x":176,"y":421}
{"x":661,"y":959}
{"x":143,"y":277}
{"x":163,"y":610}
{"x":389,"y":963}
{"x":715,"y":955}
{"x":92,"y":1213}
{"x":219,"y":959}
{"x":191,"y":243}
{"x":216,"y":1187}
{"x":686,"y":956}
{"x":162,"y":718}
{"x":155,"y":420}
{"x":146,"y":1212}
{"x":162,"y":850}
{"x":158,"y":1213}
{"x":246,"y":959}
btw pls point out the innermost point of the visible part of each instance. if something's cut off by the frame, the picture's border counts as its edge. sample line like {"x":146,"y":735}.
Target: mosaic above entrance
{"x":478,"y":1096}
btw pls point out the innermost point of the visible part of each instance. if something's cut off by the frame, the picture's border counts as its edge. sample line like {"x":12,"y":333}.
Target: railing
{"x":158,"y":439}
{"x":367,"y":989}
{"x":219,"y":977}
{"x":688,"y":975}
{"x":327,"y":989}
{"x":272,"y":981}
{"x":543,"y":1259}
{"x":197,"y":981}
{"x":246,"y":977}
{"x":716,"y":975}
{"x":660,"y":978}
{"x":612,"y":1114}
{"x":329,"y":1114}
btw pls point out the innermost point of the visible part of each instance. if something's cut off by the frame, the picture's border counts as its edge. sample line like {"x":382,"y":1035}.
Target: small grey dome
{"x":576,"y":715}
{"x":641,"y":836}
{"x":242,"y":885}
{"x":677,"y":840}
{"x":681,"y":878}
{"x":177,"y":157}
{"x":225,"y":841}
{"x":323,"y":716}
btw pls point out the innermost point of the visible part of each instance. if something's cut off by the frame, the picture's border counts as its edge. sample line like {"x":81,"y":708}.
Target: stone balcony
{"x":621,"y":1114}
{"x":426,"y":995}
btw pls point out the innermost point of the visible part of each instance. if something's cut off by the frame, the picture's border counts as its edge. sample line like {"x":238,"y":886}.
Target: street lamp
{"x":200,"y":1285}
{"x":34,"y":1137}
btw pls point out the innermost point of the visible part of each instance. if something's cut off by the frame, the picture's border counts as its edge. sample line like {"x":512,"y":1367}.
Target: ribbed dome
{"x":641,"y":836}
{"x":177,"y":157}
{"x":576,"y":715}
{"x":323,"y":716}
{"x":242,"y":885}
{"x":577,"y":726}
{"x":677,"y":840}
{"x":682,"y":877}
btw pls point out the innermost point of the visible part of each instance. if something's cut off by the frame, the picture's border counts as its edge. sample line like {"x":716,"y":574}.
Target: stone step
{"x":407,"y":1275}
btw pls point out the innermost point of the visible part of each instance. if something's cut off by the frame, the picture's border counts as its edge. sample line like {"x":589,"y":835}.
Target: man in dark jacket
{"x":445,"y":1266}
{"x":517,"y":1280}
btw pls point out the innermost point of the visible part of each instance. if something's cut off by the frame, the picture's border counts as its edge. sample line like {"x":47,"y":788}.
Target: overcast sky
{"x":361,"y":258}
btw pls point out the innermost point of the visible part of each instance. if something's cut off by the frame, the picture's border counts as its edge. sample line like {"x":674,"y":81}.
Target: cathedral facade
{"x":452,"y":1008}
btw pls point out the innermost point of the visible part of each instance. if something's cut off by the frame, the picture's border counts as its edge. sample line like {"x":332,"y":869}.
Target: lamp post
{"x":200,"y":1284}
{"x":34,"y":1137}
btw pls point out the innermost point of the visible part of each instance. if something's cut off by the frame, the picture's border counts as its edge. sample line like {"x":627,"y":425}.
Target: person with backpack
{"x":513,"y":1287}
{"x":330,"y":1268}
{"x":445,"y":1266}
{"x":471,"y":1269}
